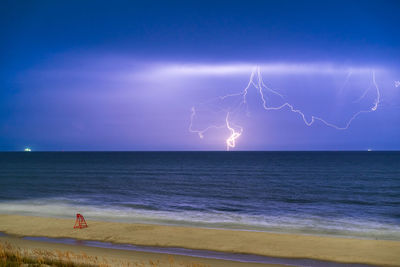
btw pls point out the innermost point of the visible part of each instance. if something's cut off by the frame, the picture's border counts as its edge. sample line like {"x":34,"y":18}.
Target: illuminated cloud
{"x":198,"y":69}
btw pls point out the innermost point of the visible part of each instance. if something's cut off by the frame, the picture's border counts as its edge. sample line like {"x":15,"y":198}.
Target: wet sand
{"x":346,"y":250}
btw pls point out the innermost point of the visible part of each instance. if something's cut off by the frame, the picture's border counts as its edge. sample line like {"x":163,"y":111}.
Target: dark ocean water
{"x":334,"y":193}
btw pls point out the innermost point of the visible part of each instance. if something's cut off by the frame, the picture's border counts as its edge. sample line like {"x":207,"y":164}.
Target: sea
{"x":350,"y":194}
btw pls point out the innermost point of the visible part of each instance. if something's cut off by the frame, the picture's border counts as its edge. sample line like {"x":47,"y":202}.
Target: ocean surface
{"x":355,"y":194}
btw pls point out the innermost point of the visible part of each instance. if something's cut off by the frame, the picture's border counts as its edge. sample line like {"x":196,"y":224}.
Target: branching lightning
{"x":257,"y":82}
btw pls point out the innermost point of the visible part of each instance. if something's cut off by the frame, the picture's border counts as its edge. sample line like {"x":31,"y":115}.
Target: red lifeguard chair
{"x":80,"y":222}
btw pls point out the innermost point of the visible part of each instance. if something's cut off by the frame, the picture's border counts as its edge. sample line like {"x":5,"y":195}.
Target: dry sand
{"x":349,"y":250}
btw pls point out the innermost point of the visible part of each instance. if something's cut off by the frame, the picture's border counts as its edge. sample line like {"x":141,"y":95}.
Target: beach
{"x":339,"y":207}
{"x":337,"y":249}
{"x":116,"y":257}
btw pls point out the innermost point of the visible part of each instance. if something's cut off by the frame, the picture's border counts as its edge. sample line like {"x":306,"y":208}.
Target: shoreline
{"x":291,"y":246}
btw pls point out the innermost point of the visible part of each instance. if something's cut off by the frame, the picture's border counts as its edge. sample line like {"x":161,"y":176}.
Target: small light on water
{"x":27,"y":149}
{"x":369,"y":149}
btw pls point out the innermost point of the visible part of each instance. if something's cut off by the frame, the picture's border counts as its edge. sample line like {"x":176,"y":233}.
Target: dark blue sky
{"x":101,"y":75}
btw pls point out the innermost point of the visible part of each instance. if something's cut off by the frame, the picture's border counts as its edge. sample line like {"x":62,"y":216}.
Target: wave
{"x":225,"y":219}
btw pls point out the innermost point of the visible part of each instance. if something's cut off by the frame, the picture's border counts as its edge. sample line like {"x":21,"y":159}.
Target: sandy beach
{"x":116,"y":257}
{"x":346,"y":250}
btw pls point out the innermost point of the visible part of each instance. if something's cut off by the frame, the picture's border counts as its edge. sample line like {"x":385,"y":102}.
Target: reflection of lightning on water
{"x":257,"y":81}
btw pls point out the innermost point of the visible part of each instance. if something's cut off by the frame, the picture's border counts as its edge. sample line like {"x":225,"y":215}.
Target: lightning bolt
{"x":257,"y":82}
{"x":231,"y":141}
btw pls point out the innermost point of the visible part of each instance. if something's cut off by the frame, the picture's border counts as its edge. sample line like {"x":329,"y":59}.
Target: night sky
{"x":124,"y":75}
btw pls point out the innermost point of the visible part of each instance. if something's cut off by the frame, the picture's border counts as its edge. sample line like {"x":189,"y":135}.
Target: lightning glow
{"x":257,"y":82}
{"x":231,"y":141}
{"x":397,"y":84}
